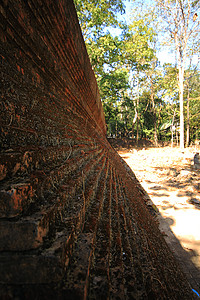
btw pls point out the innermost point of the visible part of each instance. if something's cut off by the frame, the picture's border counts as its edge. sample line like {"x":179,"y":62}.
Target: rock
{"x":195,"y":201}
{"x":172,"y":172}
{"x":196,"y":161}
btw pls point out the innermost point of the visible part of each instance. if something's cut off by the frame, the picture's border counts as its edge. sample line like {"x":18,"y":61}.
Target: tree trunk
{"x":176,"y":138}
{"x":155,"y":131}
{"x":188,"y":118}
{"x":181,"y":55}
{"x":181,"y":89}
{"x":137,"y":136}
{"x":135,"y":120}
{"x":154,"y":112}
{"x":172,"y":139}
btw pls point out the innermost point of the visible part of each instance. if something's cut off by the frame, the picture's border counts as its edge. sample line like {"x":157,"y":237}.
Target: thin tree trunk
{"x":154,"y":112}
{"x":176,"y":138}
{"x":188,"y":118}
{"x":172,"y":140}
{"x":181,"y":88}
{"x":137,"y":136}
{"x":136,"y":117}
{"x":134,"y":120}
{"x":155,"y":130}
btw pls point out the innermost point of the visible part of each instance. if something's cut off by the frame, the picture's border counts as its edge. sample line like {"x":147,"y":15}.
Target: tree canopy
{"x":142,"y":97}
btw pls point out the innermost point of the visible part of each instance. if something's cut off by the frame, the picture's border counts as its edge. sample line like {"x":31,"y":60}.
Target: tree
{"x":181,"y":26}
{"x":193,"y":103}
{"x":139,"y":94}
{"x":113,"y":85}
{"x":96,"y":17}
{"x":138,"y":56}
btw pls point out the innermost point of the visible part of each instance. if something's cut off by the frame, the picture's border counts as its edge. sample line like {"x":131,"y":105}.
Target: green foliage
{"x":104,"y":52}
{"x":113,"y":85}
{"x":95,"y":15}
{"x":139,"y":96}
{"x":169,"y":81}
{"x":138,"y":51}
{"x":194,"y":100}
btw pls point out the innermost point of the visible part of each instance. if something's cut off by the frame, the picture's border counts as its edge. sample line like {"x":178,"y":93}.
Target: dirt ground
{"x":172,"y":182}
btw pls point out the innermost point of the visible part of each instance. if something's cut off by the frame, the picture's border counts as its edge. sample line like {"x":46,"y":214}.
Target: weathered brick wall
{"x":46,"y":71}
{"x":45,"y":76}
{"x":73,"y":218}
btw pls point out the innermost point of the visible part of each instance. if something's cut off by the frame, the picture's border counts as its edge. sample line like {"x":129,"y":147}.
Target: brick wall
{"x":46,"y":79}
{"x":46,"y":72}
{"x":73,"y":218}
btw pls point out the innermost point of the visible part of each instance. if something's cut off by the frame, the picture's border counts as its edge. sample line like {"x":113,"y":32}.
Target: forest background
{"x":145,"y":55}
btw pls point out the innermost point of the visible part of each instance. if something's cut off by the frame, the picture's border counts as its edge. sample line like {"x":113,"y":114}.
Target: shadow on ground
{"x":172,"y":184}
{"x":183,"y":255}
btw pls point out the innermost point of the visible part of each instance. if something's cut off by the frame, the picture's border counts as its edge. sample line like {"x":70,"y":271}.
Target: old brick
{"x":13,"y":199}
{"x":29,"y":268}
{"x":25,"y":234}
{"x":71,"y":212}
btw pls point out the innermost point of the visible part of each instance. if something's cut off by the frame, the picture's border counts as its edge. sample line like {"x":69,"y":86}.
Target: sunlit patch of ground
{"x":173,"y":184}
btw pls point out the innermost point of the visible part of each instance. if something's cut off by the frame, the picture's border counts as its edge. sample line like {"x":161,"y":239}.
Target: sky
{"x":164,"y":56}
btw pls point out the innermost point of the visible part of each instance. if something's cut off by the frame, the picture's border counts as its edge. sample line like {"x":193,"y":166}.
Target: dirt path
{"x":173,"y":184}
